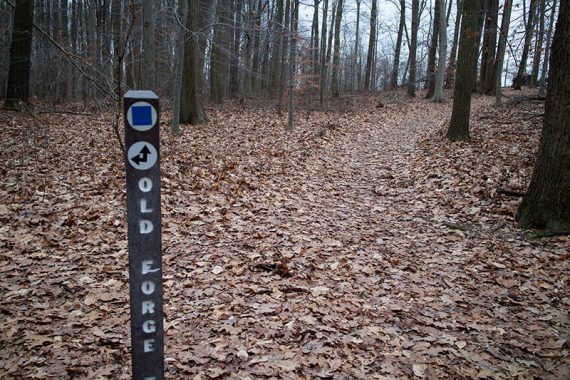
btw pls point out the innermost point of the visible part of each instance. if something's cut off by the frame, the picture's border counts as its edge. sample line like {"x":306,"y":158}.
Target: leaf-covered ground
{"x":362,"y":245}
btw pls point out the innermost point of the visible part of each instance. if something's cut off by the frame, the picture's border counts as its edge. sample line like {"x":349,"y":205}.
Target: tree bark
{"x":413,"y":48}
{"x":219,"y":55}
{"x":430,"y":74}
{"x":546,"y":205}
{"x":336,"y":55}
{"x":18,"y":89}
{"x":466,"y":71}
{"x":438,"y":91}
{"x":191,"y":105}
{"x":396,"y":67}
{"x":292,"y":58}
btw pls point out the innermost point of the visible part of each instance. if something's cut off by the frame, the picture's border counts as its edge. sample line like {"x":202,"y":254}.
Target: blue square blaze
{"x":142,"y":115}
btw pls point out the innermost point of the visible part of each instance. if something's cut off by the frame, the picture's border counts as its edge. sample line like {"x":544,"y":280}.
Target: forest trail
{"x":361,"y":245}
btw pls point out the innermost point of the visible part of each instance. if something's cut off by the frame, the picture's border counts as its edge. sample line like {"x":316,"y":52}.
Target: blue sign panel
{"x":142,"y":115}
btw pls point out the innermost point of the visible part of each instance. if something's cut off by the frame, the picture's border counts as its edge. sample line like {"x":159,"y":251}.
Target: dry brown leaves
{"x":361,"y":245}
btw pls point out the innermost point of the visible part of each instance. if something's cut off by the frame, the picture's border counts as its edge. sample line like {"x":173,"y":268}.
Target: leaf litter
{"x":361,"y":245}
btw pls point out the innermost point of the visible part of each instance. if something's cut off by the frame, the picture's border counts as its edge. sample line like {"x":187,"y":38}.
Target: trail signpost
{"x":145,"y":237}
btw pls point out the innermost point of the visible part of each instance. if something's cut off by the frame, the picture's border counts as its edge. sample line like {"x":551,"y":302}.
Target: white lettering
{"x":148,"y":307}
{"x":146,"y":267}
{"x":145,"y":184}
{"x":144,"y":207}
{"x":148,"y":345}
{"x":149,"y":327}
{"x":148,"y":287}
{"x":145,"y":226}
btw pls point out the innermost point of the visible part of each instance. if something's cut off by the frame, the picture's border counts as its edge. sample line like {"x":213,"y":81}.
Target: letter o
{"x":145,"y":184}
{"x":148,"y":287}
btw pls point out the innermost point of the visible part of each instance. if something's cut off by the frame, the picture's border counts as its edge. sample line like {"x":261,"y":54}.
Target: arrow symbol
{"x":141,"y":156}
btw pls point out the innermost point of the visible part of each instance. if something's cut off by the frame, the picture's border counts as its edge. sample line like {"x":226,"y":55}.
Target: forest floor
{"x":362,"y":245}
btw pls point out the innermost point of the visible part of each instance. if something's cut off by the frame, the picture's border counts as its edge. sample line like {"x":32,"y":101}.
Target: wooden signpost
{"x":145,"y":237}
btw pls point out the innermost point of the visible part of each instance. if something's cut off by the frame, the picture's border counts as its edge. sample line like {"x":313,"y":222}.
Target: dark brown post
{"x":145,"y":238}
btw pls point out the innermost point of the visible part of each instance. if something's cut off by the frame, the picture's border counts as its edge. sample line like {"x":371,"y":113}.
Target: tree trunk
{"x":430,"y":74}
{"x":178,"y":66}
{"x":371,"y":47}
{"x":519,"y":79}
{"x":488,"y":74}
{"x":323,"y":74}
{"x":315,"y":38}
{"x":235,"y":54}
{"x":191,"y":105}
{"x":546,"y":205}
{"x":286,"y":45}
{"x":438,"y":91}
{"x":544,"y":72}
{"x":466,"y":71}
{"x":277,"y":48}
{"x":336,"y":55}
{"x":149,"y":50}
{"x":292,"y":57}
{"x":396,"y":67}
{"x":413,"y":48}
{"x":450,"y":72}
{"x":538,"y":45}
{"x":219,"y":55}
{"x":355,"y":67}
{"x":18,"y":89}
{"x":498,"y":69}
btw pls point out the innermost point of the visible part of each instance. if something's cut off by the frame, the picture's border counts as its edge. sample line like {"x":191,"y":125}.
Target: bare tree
{"x":18,"y":89}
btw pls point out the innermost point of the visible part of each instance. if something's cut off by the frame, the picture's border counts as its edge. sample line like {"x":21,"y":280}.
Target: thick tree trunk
{"x":18,"y":89}
{"x":430,"y":74}
{"x":466,"y":71}
{"x":504,"y":32}
{"x":438,"y":91}
{"x":336,"y":55}
{"x":546,"y":205}
{"x":450,"y":72}
{"x":191,"y":105}
{"x":413,"y":48}
{"x":219,"y":55}
{"x":371,"y":47}
{"x":396,"y":67}
{"x":518,"y":80}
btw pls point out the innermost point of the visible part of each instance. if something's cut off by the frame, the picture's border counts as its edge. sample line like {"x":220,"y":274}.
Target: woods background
{"x":86,"y":50}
